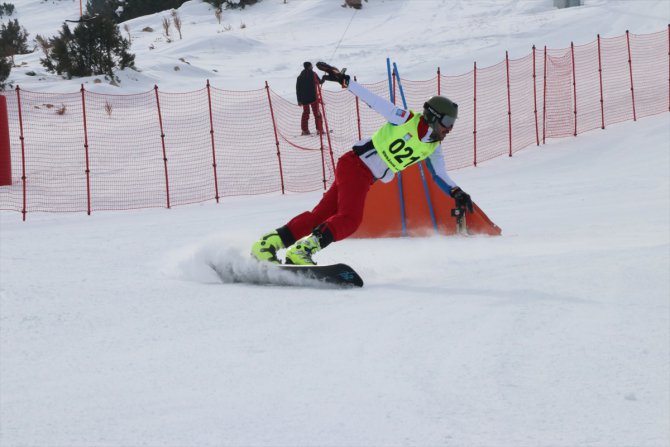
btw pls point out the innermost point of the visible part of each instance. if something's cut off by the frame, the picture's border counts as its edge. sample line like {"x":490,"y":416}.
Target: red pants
{"x":305,"y":117}
{"x":341,"y":207}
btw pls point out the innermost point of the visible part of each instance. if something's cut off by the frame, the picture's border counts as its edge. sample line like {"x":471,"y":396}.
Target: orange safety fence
{"x":86,"y":152}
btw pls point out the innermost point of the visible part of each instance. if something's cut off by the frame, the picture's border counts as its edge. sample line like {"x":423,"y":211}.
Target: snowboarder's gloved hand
{"x":461,"y":198}
{"x":333,"y":74}
{"x":340,"y":78}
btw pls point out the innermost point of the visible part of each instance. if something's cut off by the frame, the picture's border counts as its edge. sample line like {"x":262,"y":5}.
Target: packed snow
{"x":115,"y":330}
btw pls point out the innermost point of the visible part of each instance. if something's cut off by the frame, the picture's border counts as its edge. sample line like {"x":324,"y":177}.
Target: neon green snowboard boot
{"x":265,"y":249}
{"x":301,"y":252}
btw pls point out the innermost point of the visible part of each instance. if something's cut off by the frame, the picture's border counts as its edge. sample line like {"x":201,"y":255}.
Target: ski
{"x":336,"y":274}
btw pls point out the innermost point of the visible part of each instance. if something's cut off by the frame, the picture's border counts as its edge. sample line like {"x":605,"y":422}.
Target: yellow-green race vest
{"x":399,"y":146}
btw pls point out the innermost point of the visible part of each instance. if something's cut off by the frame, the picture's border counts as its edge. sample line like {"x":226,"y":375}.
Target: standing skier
{"x":407,"y":137}
{"x":305,"y":90}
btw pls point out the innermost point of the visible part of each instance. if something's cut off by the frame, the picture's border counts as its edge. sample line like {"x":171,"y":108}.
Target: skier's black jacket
{"x":304,"y":87}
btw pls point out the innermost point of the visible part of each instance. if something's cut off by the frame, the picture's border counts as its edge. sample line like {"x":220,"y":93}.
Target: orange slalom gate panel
{"x":382,"y":215}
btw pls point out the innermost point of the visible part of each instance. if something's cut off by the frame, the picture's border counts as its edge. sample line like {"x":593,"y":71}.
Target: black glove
{"x":340,"y":78}
{"x":461,"y":198}
{"x":333,"y":74}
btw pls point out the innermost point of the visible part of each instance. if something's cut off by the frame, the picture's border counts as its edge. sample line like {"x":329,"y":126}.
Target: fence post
{"x":439,"y":83}
{"x":537,"y":133}
{"x":327,"y":130}
{"x":319,"y":104}
{"x":574,"y":83}
{"x":358,"y":116}
{"x":630,"y":68}
{"x":509,"y":104}
{"x":160,"y":122}
{"x":88,"y":170}
{"x":5,"y":149}
{"x":211,"y":133}
{"x":544,"y":100}
{"x":274,"y":127}
{"x":23,"y":151}
{"x":602,"y":99}
{"x":474,"y":102}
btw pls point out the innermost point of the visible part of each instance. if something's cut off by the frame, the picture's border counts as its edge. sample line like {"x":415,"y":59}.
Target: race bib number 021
{"x":402,"y":154}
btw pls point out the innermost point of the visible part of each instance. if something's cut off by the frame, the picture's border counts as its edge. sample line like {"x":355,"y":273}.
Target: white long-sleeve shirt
{"x":397,"y":115}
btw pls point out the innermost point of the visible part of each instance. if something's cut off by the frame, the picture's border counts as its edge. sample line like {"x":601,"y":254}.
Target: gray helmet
{"x":439,"y":109}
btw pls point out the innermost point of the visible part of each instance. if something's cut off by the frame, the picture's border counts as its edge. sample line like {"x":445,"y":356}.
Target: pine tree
{"x":106,"y":8}
{"x":137,"y":8}
{"x":94,"y":47}
{"x":232,"y":4}
{"x":123,"y":10}
{"x":5,"y":69}
{"x":6,"y":9}
{"x":13,"y":38}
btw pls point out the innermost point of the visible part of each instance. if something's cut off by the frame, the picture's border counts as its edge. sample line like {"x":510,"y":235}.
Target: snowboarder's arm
{"x":438,"y":171}
{"x":392,"y":113}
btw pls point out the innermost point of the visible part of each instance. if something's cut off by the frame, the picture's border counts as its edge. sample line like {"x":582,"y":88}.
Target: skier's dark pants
{"x":341,"y":208}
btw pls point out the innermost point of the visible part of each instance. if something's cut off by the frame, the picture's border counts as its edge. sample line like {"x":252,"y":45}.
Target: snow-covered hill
{"x":269,"y":41}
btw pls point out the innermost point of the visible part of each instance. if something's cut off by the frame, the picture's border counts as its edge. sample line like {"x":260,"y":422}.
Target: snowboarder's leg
{"x":344,"y":203}
{"x":303,"y":224}
{"x":354,"y":180}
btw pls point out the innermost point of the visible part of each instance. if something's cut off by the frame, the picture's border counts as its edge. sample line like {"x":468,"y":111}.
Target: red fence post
{"x":160,"y":122}
{"x":211,"y":133}
{"x":88,"y":170}
{"x":319,"y":100}
{"x":509,"y":104}
{"x":600,"y":74}
{"x":537,"y":133}
{"x":23,"y":151}
{"x":630,"y":68}
{"x":5,"y":150}
{"x":274,"y":126}
{"x":474,"y":101}
{"x":327,"y":129}
{"x":544,"y":100}
{"x":358,"y":116}
{"x":574,"y":83}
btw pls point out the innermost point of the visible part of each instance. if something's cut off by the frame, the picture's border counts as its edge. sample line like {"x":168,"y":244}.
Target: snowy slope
{"x":419,"y":35}
{"x":554,"y":334}
{"x":115,"y":332}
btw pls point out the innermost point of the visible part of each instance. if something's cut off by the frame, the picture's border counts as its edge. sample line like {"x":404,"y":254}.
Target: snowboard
{"x":337,"y":274}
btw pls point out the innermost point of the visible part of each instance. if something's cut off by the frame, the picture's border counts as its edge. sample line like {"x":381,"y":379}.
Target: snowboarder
{"x":405,"y":139}
{"x":305,"y":89}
